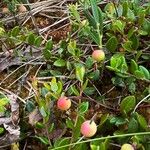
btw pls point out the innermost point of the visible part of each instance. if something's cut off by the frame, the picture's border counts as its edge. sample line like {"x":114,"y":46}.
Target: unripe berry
{"x":2,"y":31}
{"x":88,"y":128}
{"x":22,"y":8}
{"x":98,"y":55}
{"x":127,"y":147}
{"x":5,"y":10}
{"x":63,"y":103}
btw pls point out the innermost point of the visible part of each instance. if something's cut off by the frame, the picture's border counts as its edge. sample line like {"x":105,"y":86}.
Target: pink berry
{"x":22,"y":8}
{"x":5,"y":10}
{"x":63,"y":103}
{"x":98,"y":55}
{"x":88,"y":128}
{"x":127,"y":147}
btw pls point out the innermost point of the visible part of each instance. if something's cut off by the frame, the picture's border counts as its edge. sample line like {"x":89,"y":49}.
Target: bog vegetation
{"x":75,"y":75}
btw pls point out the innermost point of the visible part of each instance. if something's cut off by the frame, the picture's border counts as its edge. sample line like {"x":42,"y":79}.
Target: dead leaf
{"x":34,"y":117}
{"x":14,"y":109}
{"x":57,"y":133}
{"x":5,"y":120}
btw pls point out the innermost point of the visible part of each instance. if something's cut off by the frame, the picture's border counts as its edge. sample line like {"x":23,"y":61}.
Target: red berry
{"x":98,"y":55}
{"x":63,"y":103}
{"x":88,"y":128}
{"x":127,"y":147}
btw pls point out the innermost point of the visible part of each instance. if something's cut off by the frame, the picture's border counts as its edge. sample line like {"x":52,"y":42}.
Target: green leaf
{"x":72,"y":47}
{"x":39,"y":125}
{"x":43,"y":91}
{"x":93,"y":35}
{"x":1,"y":130}
{"x":2,"y":109}
{"x":60,"y":87}
{"x":119,"y":65}
{"x":38,"y":41}
{"x":117,"y":81}
{"x":95,"y":10}
{"x":139,"y":74}
{"x":4,"y":101}
{"x":146,"y":27}
{"x":49,"y":45}
{"x":85,"y":84}
{"x":112,"y":43}
{"x":76,"y":129}
{"x":44,"y":140}
{"x":89,"y":91}
{"x":145,"y":72}
{"x":43,"y":112}
{"x":118,"y":25}
{"x":74,"y":90}
{"x":133,"y":66}
{"x":51,"y":128}
{"x":31,"y":39}
{"x":130,"y":32}
{"x":115,"y":60}
{"x":127,"y":104}
{"x":80,"y":72}
{"x":127,"y":46}
{"x":2,"y":31}
{"x":69,"y":123}
{"x":30,"y":106}
{"x":90,"y":18}
{"x":60,"y":63}
{"x":15,"y":31}
{"x":135,"y":41}
{"x":141,"y":18}
{"x":54,"y":86}
{"x":112,"y":69}
{"x":130,"y":15}
{"x":69,"y":65}
{"x":61,"y":142}
{"x":47,"y":54}
{"x":94,"y":75}
{"x":142,"y":121}
{"x":104,"y":118}
{"x":47,"y":86}
{"x":99,"y":145}
{"x":117,"y":121}
{"x":73,"y":9}
{"x":83,"y":107}
{"x":132,"y":88}
{"x":125,"y":8}
{"x":89,"y":62}
{"x":133,"y":125}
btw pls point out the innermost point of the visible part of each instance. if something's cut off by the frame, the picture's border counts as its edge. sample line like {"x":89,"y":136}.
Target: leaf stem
{"x":103,"y":138}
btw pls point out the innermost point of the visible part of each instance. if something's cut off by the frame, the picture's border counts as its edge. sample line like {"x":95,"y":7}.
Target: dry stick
{"x":140,"y":102}
{"x":38,"y":70}
{"x":23,"y":75}
{"x":33,"y":19}
{"x":89,"y":98}
{"x":108,"y":91}
{"x":39,"y":9}
{"x":19,"y":68}
{"x":47,"y":28}
{"x":17,"y":79}
{"x":36,"y":10}
{"x":50,"y":77}
{"x":35,"y":93}
{"x":95,"y":88}
{"x":9,"y":92}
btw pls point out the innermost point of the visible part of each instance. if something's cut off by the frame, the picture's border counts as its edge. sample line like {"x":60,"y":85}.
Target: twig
{"x":140,"y":102}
